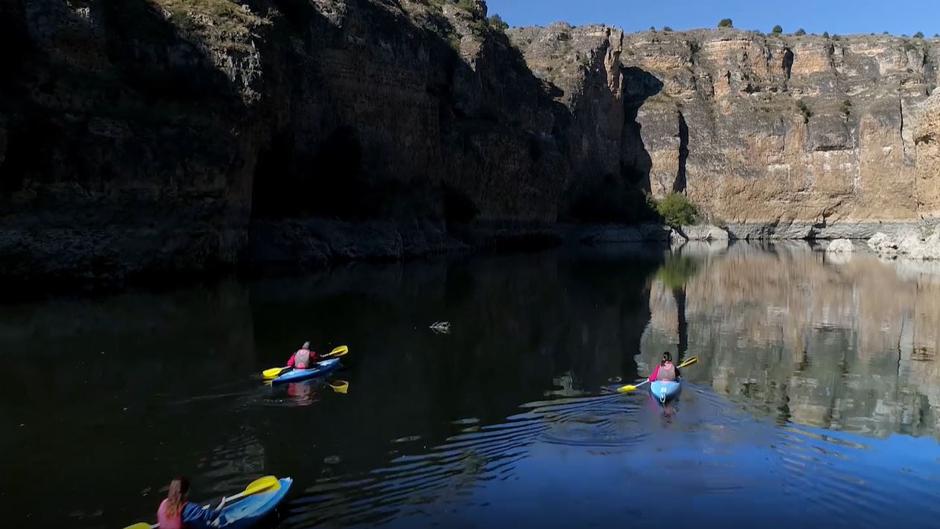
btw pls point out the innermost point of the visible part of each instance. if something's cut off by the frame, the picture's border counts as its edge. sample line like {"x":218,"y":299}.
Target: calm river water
{"x":815,"y":403}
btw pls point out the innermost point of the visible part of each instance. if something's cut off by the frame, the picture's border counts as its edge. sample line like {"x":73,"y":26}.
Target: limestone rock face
{"x":705,"y":232}
{"x":926,"y":133}
{"x":792,"y":136}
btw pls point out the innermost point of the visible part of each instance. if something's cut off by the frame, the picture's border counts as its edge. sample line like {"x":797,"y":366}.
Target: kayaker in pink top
{"x":666,"y":370}
{"x":177,"y":512}
{"x":303,"y":358}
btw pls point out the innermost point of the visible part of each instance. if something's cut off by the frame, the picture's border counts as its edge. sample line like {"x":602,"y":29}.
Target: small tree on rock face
{"x":800,"y":32}
{"x":807,"y":113}
{"x":825,"y":34}
{"x":777,"y":30}
{"x":497,"y":22}
{"x":725,"y":23}
{"x":676,"y":210}
{"x":919,"y":35}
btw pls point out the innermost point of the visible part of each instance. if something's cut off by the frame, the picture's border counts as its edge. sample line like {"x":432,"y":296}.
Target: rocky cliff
{"x":149,"y":137}
{"x":792,"y":136}
{"x":154,"y":136}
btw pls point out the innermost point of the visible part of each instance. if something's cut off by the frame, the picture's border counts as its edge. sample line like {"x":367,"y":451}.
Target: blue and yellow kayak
{"x":665,"y":390}
{"x":250,"y":510}
{"x":297,"y":375}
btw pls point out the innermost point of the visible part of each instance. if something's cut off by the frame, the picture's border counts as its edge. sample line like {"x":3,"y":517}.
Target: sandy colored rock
{"x":792,"y":136}
{"x":840,"y":246}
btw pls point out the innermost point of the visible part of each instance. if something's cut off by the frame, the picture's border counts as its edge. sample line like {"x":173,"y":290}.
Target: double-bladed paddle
{"x":275,"y":372}
{"x":630,"y":387}
{"x":261,"y":484}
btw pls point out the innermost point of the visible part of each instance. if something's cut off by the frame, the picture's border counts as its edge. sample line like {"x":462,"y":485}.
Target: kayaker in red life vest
{"x":302,"y":358}
{"x":666,"y":370}
{"x":177,"y":512}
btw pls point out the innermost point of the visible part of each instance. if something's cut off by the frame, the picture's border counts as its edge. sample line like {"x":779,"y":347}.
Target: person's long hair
{"x":666,"y":358}
{"x":176,"y":496}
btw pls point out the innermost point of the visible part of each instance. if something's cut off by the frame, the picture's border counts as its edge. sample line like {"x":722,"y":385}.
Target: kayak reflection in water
{"x":666,"y":371}
{"x":177,"y":512}
{"x":302,"y":393}
{"x":302,"y":358}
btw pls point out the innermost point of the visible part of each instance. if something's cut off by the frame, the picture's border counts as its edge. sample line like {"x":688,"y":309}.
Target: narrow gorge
{"x":147,"y":138}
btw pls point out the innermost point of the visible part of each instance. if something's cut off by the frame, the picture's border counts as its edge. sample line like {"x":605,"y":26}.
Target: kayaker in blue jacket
{"x":177,"y":512}
{"x":666,"y":370}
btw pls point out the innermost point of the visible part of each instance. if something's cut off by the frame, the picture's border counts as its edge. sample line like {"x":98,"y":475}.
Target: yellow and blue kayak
{"x":248,"y":511}
{"x":297,"y":375}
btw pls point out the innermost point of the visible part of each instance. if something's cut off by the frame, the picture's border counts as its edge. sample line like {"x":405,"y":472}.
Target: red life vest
{"x":302,"y":359}
{"x":666,"y":372}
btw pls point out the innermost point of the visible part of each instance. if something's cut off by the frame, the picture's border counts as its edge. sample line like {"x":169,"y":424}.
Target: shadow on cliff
{"x":112,"y":128}
{"x":469,"y":144}
{"x":622,"y":197}
{"x":107,"y":98}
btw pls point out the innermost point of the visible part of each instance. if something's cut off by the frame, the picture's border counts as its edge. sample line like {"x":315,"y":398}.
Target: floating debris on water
{"x":441,"y":327}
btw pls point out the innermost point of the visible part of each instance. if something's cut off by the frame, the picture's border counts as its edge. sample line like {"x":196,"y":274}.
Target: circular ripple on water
{"x":601,"y":421}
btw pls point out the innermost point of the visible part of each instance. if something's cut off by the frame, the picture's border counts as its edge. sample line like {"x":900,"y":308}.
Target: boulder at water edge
{"x":840,"y":246}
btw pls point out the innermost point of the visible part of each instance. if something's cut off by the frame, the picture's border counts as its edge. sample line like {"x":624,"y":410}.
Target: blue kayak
{"x":665,"y":390}
{"x":297,"y":375}
{"x":249,"y":510}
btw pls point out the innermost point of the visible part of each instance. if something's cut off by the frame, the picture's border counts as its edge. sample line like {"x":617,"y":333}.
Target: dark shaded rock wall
{"x":146,"y":136}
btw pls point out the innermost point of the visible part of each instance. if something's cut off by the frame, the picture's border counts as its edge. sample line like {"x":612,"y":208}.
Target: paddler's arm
{"x":654,"y":375}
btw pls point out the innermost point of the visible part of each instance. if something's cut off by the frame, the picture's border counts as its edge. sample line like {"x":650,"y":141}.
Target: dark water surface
{"x":816,"y":401}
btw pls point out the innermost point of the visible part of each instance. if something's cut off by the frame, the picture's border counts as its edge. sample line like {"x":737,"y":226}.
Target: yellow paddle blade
{"x":340,"y":386}
{"x":272,"y":373}
{"x":338,"y":351}
{"x":689,"y":361}
{"x":261,"y":484}
{"x":140,"y":525}
{"x":626,"y":389}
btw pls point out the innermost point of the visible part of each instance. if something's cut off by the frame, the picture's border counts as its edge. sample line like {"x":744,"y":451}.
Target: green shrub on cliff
{"x":919,"y":35}
{"x":846,"y":108}
{"x":807,"y":113}
{"x":497,"y":22}
{"x":800,"y":32}
{"x":725,"y":23}
{"x":676,"y":210}
{"x":777,"y":30}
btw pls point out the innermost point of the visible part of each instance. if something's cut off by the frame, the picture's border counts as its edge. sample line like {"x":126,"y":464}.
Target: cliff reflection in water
{"x":847,"y":346}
